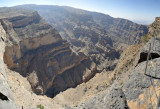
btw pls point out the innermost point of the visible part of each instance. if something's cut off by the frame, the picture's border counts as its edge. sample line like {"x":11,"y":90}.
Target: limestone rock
{"x":140,"y":85}
{"x":24,"y":96}
{"x":127,"y":62}
{"x":6,"y":96}
{"x":74,"y":96}
{"x":155,"y":49}
{"x":34,"y":46}
{"x":33,"y":79}
{"x":154,"y":29}
{"x":114,"y":99}
{"x":97,"y":35}
{"x":48,"y":65}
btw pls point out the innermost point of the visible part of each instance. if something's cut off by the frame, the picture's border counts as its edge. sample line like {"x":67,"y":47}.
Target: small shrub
{"x":40,"y":106}
{"x":121,"y":83}
{"x":145,"y":38}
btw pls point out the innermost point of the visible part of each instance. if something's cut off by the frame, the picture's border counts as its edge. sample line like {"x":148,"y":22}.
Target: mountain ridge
{"x":94,"y":34}
{"x":35,"y":61}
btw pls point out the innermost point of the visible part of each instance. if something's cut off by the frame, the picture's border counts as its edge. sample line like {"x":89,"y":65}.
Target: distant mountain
{"x":99,"y":36}
{"x":32,"y":48}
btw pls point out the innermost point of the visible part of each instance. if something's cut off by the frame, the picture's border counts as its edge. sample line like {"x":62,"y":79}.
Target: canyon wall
{"x":6,"y":96}
{"x":97,"y":35}
{"x":37,"y":51}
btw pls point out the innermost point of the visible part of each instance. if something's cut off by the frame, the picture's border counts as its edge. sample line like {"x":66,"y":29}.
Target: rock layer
{"x":99,"y":36}
{"x":142,"y":88}
{"x":35,"y":47}
{"x":6,"y":96}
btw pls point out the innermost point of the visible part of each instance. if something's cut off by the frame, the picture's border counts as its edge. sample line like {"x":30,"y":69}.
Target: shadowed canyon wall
{"x":97,"y":35}
{"x":37,"y":52}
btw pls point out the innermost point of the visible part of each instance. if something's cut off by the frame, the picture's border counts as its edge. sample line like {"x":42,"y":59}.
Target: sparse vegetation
{"x":121,"y":83}
{"x":40,"y":106}
{"x":145,"y":38}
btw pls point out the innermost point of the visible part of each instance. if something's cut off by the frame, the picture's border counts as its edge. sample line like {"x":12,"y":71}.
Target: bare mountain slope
{"x":135,"y":89}
{"x":99,"y":36}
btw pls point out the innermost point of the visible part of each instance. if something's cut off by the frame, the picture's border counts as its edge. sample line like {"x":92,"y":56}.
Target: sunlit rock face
{"x":6,"y":96}
{"x":97,"y":35}
{"x":37,"y":51}
{"x":154,"y":29}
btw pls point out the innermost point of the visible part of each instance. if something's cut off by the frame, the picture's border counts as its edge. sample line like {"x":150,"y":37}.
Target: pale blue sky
{"x":141,"y":11}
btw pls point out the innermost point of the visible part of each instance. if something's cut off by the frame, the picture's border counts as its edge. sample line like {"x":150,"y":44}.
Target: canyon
{"x":75,"y":59}
{"x":37,"y":52}
{"x":97,"y":35}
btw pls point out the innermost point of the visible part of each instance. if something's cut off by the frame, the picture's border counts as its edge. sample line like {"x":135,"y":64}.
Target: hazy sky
{"x":141,"y":11}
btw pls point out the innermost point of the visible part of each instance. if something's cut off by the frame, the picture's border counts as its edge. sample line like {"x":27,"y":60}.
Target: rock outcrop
{"x":40,"y":60}
{"x":154,"y":42}
{"x":99,"y":36}
{"x":35,"y":48}
{"x":114,"y":98}
{"x":154,"y":52}
{"x":81,"y":93}
{"x":127,"y":62}
{"x":139,"y":90}
{"x":6,"y":96}
{"x":154,"y":29}
{"x":24,"y":96}
{"x":142,"y":86}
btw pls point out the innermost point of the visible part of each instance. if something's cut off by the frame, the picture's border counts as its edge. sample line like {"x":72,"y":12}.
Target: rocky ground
{"x":24,"y":96}
{"x":6,"y":96}
{"x":136,"y":89}
{"x":82,"y":92}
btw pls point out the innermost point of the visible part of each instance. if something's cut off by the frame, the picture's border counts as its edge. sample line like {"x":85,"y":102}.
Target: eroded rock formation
{"x":36,"y":51}
{"x":142,"y":86}
{"x":6,"y":96}
{"x":97,"y":35}
{"x":139,"y":90}
{"x":36,"y":48}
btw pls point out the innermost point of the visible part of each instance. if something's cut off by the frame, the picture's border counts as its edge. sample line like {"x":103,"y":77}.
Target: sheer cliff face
{"x":128,"y":31}
{"x":141,"y":90}
{"x":6,"y":97}
{"x":37,"y":52}
{"x":99,"y":36}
